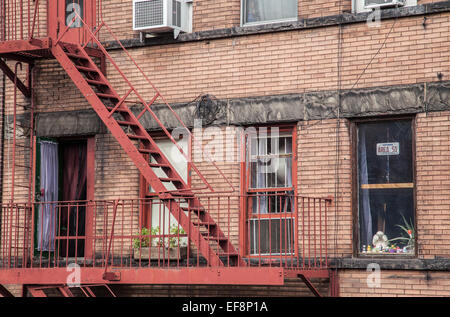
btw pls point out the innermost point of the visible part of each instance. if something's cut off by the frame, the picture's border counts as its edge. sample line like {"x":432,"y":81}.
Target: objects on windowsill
{"x":380,"y":245}
{"x":380,"y":240}
{"x":392,"y":249}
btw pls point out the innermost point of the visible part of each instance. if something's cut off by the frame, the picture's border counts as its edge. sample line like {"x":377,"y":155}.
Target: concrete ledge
{"x":69,"y":123}
{"x":357,"y":103}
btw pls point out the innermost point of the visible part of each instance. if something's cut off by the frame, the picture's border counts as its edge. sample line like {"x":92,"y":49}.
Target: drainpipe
{"x":2,"y":148}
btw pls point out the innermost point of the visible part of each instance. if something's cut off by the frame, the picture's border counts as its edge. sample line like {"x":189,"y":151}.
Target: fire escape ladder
{"x":139,"y":145}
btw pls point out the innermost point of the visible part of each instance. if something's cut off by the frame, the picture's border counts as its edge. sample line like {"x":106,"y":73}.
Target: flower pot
{"x":160,"y":253}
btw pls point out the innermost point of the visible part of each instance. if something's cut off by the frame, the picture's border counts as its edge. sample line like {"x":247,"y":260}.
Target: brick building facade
{"x":321,"y":75}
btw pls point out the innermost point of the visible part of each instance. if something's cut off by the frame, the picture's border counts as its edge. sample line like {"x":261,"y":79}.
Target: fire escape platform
{"x":29,"y":50}
{"x":26,"y":50}
{"x":184,"y":276}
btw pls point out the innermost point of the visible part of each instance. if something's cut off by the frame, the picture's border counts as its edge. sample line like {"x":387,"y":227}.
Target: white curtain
{"x":261,"y":201}
{"x":49,"y":183}
{"x":366,"y":213}
{"x":268,"y":10}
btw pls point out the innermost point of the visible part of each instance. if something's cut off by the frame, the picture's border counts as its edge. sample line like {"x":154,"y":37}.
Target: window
{"x":268,"y":11}
{"x":74,"y":8}
{"x":64,"y":173}
{"x":369,"y":5}
{"x":385,"y":181}
{"x":270,"y":191}
{"x":155,"y":214}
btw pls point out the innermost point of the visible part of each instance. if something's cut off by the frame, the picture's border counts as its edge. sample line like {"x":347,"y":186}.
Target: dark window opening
{"x":61,"y":180}
{"x":386,"y":187}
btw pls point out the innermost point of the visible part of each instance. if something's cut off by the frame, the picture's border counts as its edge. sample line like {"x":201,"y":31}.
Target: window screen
{"x":386,"y":187}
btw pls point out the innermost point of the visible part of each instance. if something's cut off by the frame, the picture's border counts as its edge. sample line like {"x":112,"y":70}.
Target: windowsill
{"x":386,"y":256}
{"x":249,"y":24}
{"x":295,"y":24}
{"x":392,"y":263}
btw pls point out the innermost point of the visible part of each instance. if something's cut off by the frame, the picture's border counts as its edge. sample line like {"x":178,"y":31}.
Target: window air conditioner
{"x":158,"y":16}
{"x":373,"y":4}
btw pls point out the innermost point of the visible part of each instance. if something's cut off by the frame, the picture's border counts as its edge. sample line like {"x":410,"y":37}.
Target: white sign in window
{"x":388,"y":148}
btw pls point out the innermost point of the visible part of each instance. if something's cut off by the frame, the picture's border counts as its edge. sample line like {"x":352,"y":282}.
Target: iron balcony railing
{"x":268,"y":229}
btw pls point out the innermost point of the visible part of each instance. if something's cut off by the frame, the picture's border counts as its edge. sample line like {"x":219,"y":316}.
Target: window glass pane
{"x":73,"y":6}
{"x":272,"y":236}
{"x":175,"y":157}
{"x":386,"y":187}
{"x":269,"y":10}
{"x":271,"y":162}
{"x":385,"y":162}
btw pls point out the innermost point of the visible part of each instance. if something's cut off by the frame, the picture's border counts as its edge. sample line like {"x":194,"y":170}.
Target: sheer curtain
{"x":365,"y":212}
{"x":290,"y":194}
{"x":49,"y":185}
{"x":268,"y":10}
{"x":261,"y":176}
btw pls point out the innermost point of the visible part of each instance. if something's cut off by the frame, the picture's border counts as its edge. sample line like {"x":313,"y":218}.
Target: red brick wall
{"x":433,"y":190}
{"x":292,"y":288}
{"x":321,"y":173}
{"x":394,"y":283}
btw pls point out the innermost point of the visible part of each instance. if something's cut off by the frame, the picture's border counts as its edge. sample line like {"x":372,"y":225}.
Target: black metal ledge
{"x":414,"y":264}
{"x":301,"y":24}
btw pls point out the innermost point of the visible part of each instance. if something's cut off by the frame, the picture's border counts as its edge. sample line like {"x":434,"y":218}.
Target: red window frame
{"x":247,"y":192}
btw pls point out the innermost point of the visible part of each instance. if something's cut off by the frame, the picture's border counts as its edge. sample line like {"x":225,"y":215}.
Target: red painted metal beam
{"x":36,"y":292}
{"x":203,"y":276}
{"x":10,"y":74}
{"x":334,"y":283}
{"x":4,"y":292}
{"x":65,"y":291}
{"x":308,"y":283}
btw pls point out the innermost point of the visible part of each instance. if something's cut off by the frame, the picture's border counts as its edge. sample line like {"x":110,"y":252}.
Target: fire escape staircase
{"x":126,"y":128}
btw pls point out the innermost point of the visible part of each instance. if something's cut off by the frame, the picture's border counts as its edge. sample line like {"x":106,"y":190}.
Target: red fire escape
{"x":76,"y":45}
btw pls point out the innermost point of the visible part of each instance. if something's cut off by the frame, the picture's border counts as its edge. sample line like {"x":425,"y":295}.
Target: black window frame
{"x":356,"y":252}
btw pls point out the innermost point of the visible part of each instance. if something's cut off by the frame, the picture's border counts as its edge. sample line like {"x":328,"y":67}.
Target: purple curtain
{"x":49,"y":191}
{"x":365,"y":213}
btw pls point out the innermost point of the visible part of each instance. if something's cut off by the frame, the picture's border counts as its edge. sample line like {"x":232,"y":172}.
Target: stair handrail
{"x":93,"y":37}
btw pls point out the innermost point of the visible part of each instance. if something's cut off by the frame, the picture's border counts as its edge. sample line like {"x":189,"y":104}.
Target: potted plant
{"x":176,"y":243}
{"x":161,"y":247}
{"x":408,"y":236}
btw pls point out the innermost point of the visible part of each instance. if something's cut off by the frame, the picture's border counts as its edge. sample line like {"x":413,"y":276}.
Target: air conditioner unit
{"x":374,"y":4}
{"x":157,"y":16}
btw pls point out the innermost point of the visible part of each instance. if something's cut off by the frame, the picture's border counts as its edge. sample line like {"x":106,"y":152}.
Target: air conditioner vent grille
{"x":383,"y":2}
{"x":149,"y":13}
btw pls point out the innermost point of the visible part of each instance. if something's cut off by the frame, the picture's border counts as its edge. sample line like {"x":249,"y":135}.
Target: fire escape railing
{"x":20,"y":19}
{"x":135,"y":233}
